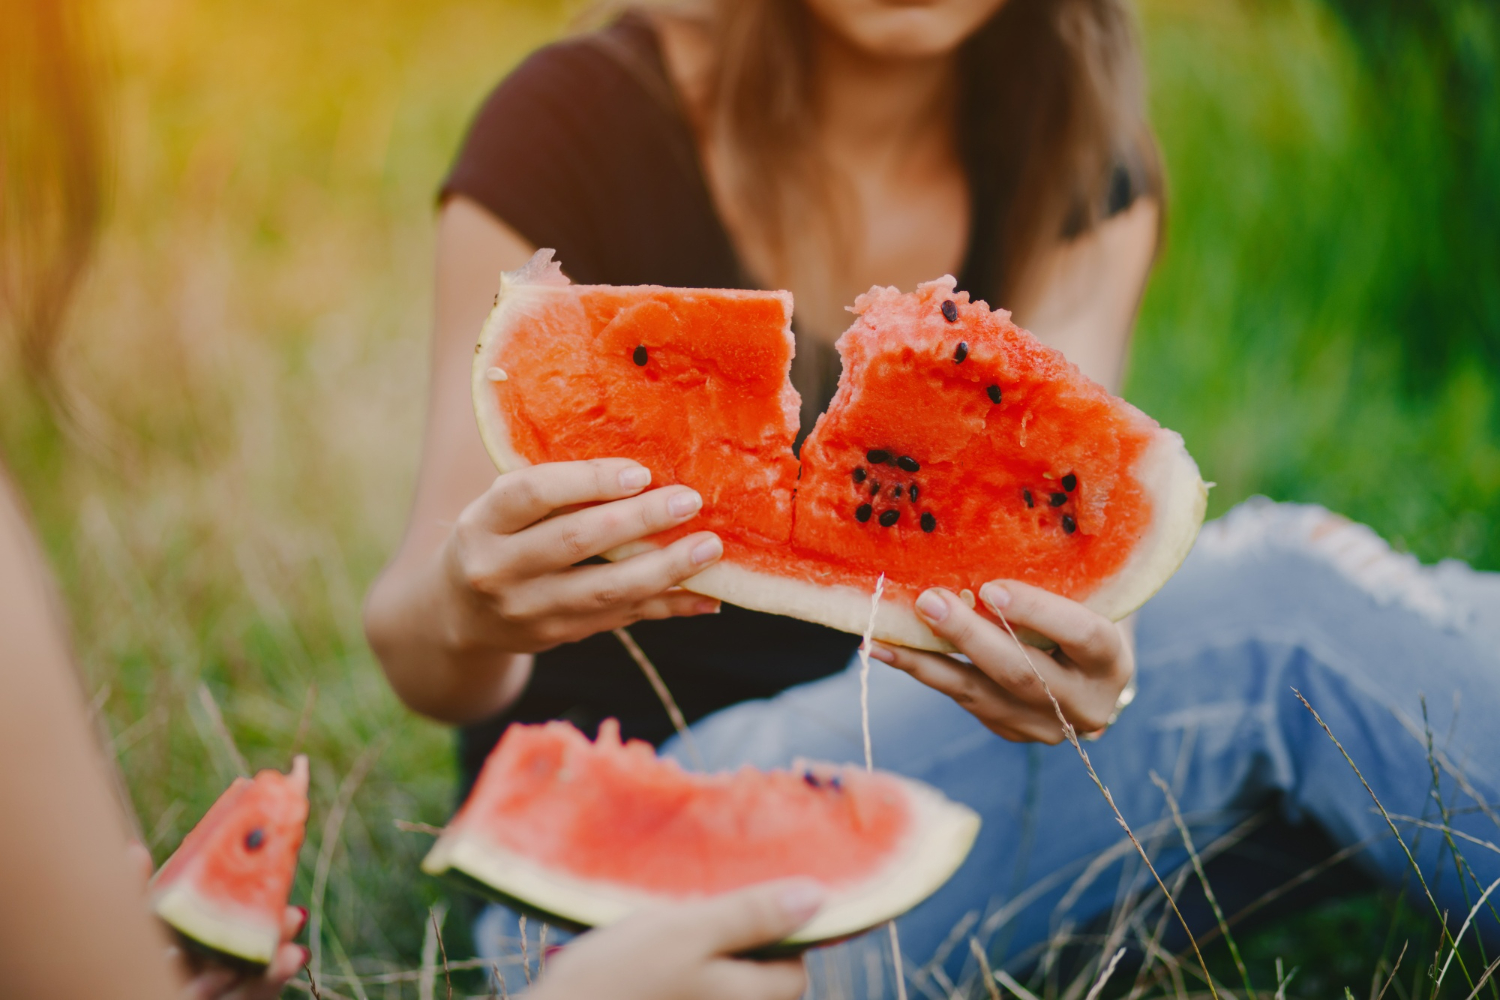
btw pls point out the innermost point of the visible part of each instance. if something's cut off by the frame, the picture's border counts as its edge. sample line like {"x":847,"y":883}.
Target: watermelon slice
{"x":226,"y":887}
{"x":958,"y":448}
{"x":585,"y":833}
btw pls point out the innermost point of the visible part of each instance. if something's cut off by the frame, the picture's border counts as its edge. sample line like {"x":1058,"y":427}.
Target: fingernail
{"x":306,"y":955}
{"x":706,"y":608}
{"x":707,"y":550}
{"x":684,"y":503}
{"x":302,"y":922}
{"x":882,"y":654}
{"x":932,"y":606}
{"x":996,"y":596}
{"x":802,"y":898}
{"x":637,"y":477}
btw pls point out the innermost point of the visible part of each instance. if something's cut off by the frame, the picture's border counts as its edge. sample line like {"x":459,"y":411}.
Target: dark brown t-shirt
{"x":585,"y":149}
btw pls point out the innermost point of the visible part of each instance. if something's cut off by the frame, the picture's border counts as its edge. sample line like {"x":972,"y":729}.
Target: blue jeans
{"x":1274,"y":597}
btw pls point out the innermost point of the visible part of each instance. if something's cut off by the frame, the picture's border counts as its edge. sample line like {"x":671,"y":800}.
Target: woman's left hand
{"x":1092,"y":664}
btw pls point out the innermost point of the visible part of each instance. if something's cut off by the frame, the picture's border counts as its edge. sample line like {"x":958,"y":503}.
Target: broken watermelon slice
{"x":585,"y":833}
{"x":226,"y":887}
{"x":957,"y":450}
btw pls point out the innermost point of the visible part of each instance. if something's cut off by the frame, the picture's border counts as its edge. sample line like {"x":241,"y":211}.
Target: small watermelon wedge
{"x":585,"y":833}
{"x":958,"y":448}
{"x":226,"y":887}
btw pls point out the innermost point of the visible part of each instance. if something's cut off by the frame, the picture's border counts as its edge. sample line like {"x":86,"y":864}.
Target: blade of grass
{"x":679,"y":721}
{"x":1394,"y":969}
{"x":1109,"y":970}
{"x":1442,"y":917}
{"x":984,"y":969}
{"x":1208,"y":892}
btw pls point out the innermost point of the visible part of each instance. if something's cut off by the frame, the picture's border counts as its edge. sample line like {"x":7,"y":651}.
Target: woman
{"x":825,"y":146}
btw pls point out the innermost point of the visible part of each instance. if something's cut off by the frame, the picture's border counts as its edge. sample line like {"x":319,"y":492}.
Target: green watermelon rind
{"x":930,"y":854}
{"x":1171,"y":480}
{"x":228,"y":930}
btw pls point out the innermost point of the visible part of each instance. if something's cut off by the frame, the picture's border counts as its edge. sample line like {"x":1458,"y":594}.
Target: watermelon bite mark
{"x":958,"y":449}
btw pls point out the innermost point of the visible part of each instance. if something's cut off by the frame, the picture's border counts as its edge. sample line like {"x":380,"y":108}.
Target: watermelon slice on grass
{"x":958,"y":448}
{"x":585,"y":833}
{"x":225,"y":889}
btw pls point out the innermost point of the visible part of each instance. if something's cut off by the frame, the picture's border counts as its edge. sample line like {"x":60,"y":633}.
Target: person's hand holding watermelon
{"x":1009,"y":686}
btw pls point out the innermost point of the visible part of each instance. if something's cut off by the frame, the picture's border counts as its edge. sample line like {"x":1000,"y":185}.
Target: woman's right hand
{"x":686,"y":952}
{"x":511,"y":556}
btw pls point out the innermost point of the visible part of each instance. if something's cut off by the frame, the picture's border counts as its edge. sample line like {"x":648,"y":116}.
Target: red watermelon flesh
{"x":956,"y":450}
{"x":226,"y":886}
{"x":587,"y":832}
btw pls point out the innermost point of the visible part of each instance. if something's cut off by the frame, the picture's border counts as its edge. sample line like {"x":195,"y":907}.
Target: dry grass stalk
{"x":428,"y":981}
{"x":679,"y":721}
{"x":437,"y":915}
{"x":407,"y":826}
{"x":1488,"y":972}
{"x":1395,"y":969}
{"x":525,"y":958}
{"x":332,"y":826}
{"x":1072,"y":737}
{"x":984,"y":969}
{"x":216,"y":723}
{"x":1208,"y":892}
{"x":1441,"y":914}
{"x":1109,"y":970}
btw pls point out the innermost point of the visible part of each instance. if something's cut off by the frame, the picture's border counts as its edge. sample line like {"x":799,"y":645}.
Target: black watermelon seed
{"x":639,"y":356}
{"x":874,"y":487}
{"x":994,"y":393}
{"x":836,"y":784}
{"x":950,"y":311}
{"x":909,"y":464}
{"x":1026,"y":495}
{"x":811,"y":779}
{"x":254,"y":839}
{"x":862,"y":513}
{"x":890,"y":517}
{"x":1070,"y":482}
{"x":1058,"y":499}
{"x":1069,"y":525}
{"x":961,"y":352}
{"x":877,"y":456}
{"x":928,"y":522}
{"x":911,"y":491}
{"x":896,"y":492}
{"x":859,"y":473}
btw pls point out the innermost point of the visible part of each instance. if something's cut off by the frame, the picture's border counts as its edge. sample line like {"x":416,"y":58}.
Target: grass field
{"x":246,"y":371}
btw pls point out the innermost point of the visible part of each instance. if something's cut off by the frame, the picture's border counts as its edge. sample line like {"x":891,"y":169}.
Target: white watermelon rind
{"x":233,"y":930}
{"x":929,"y":855}
{"x":1168,"y":474}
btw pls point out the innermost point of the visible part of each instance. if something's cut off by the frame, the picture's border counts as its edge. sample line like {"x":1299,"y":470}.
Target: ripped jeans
{"x":1275,"y":599}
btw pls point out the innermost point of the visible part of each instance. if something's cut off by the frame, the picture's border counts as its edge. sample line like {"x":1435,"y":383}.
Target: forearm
{"x":431,"y":643}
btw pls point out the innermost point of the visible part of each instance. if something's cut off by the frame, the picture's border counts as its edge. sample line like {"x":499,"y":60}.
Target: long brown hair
{"x":51,"y":170}
{"x":1051,"y":102}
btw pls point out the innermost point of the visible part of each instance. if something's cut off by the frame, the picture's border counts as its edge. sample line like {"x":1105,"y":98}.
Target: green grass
{"x":246,"y":366}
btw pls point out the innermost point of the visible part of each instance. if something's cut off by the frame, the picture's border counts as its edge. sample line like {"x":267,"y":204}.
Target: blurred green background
{"x":245,"y":366}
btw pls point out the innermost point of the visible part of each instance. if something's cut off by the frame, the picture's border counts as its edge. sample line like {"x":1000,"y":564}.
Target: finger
{"x":1001,"y":713}
{"x":208,"y":985}
{"x":760,"y":915}
{"x":289,"y":959}
{"x":589,"y":589}
{"x":292,"y":922}
{"x":563,"y":541}
{"x":990,"y":647}
{"x":524,"y":496}
{"x":784,"y":979}
{"x":1087,"y":638}
{"x":1029,"y":675}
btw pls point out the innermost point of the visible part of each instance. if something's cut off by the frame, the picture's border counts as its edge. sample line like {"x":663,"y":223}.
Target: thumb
{"x":760,"y":915}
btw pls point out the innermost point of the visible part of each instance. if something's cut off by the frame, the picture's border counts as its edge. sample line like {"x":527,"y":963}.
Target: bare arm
{"x":485,"y":575}
{"x":72,"y":922}
{"x":1085,"y":294}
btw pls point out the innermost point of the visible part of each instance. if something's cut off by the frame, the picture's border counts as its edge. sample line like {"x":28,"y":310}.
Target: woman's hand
{"x":204,"y":979}
{"x":1092,"y":664}
{"x":686,"y":952}
{"x":511,"y":555}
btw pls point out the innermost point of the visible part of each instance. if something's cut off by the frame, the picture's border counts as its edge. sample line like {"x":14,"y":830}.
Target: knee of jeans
{"x":1275,"y":538}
